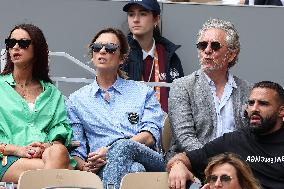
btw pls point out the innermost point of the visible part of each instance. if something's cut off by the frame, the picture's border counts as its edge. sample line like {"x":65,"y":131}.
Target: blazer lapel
{"x":207,"y":99}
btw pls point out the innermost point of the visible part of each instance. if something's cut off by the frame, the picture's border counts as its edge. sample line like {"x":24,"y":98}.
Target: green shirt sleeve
{"x":59,"y":128}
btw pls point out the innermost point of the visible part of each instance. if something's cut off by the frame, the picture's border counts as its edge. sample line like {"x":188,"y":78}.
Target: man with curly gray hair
{"x":232,"y":37}
{"x":209,"y":102}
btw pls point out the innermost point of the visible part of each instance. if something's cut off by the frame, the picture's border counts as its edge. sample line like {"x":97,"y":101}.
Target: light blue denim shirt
{"x":132,"y":107}
{"x":224,"y":106}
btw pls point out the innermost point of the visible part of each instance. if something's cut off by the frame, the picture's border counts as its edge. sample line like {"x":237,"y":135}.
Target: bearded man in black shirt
{"x":261,"y":145}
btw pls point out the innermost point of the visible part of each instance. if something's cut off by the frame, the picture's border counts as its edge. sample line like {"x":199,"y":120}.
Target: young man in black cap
{"x":152,"y":58}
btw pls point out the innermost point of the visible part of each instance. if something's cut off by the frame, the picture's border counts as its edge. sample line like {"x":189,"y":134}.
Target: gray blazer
{"x":192,"y":111}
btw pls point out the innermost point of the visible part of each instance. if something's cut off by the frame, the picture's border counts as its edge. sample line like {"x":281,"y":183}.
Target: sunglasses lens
{"x":202,"y":45}
{"x":24,"y":43}
{"x":211,"y":179}
{"x":96,"y":47}
{"x":225,"y":178}
{"x":215,"y":46}
{"x":110,"y":48}
{"x":10,"y":43}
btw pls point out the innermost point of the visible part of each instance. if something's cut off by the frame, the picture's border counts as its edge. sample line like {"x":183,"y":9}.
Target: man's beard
{"x":214,"y":67}
{"x":266,"y":124}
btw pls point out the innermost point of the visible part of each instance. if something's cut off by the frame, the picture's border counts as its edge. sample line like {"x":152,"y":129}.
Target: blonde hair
{"x":244,"y":173}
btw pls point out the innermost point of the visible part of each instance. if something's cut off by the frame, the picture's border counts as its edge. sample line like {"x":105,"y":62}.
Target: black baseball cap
{"x":151,"y":5}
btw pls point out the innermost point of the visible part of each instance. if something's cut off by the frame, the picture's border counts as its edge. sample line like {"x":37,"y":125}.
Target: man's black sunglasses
{"x":23,"y":43}
{"x":215,"y":45}
{"x":211,"y":179}
{"x":109,"y":47}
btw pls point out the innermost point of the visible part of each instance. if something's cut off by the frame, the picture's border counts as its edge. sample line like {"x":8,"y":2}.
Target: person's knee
{"x":59,"y":149}
{"x":123,"y":145}
{"x":137,"y":167}
{"x":121,"y":148}
{"x":58,"y":152}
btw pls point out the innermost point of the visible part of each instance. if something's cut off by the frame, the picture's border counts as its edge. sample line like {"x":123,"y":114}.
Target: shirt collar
{"x":118,"y":86}
{"x":231,"y":80}
{"x":151,"y":52}
{"x":10,"y":80}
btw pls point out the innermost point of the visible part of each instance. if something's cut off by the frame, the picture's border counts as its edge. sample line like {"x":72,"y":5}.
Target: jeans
{"x":127,"y":156}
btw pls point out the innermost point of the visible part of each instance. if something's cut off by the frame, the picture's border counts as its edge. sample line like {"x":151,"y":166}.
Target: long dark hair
{"x":40,"y":68}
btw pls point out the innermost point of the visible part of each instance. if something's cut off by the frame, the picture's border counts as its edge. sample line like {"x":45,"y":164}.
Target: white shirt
{"x":31,"y":106}
{"x":224,"y":106}
{"x":151,"y":52}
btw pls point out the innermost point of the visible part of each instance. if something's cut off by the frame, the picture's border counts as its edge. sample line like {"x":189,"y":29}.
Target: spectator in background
{"x":33,"y":119}
{"x":260,"y":144}
{"x":118,"y":120}
{"x":265,"y":2}
{"x":229,"y":171}
{"x":209,"y":102}
{"x":152,"y":58}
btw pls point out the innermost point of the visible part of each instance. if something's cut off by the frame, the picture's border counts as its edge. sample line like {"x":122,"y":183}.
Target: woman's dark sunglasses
{"x":215,"y":45}
{"x":23,"y":43}
{"x":109,"y":47}
{"x":211,"y":179}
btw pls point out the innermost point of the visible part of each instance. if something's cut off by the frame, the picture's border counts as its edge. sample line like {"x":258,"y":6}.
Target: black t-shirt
{"x":264,"y":154}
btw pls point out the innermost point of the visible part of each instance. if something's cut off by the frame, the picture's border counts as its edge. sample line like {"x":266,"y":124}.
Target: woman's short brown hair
{"x":124,"y":47}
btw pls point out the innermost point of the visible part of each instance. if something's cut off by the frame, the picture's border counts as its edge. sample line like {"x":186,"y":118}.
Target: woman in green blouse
{"x":33,"y":124}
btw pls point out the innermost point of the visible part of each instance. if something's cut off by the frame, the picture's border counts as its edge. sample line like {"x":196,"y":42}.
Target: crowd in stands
{"x":225,"y":130}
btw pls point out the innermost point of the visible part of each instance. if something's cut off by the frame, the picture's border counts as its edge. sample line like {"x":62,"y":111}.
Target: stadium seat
{"x":166,"y":135}
{"x":58,"y":178}
{"x":142,"y":180}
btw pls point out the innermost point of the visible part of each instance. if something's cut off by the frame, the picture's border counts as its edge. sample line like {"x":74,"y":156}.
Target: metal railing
{"x":82,"y":65}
